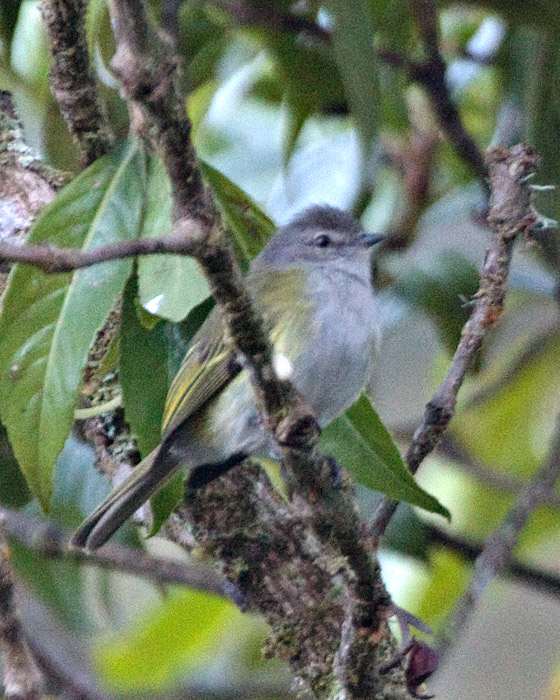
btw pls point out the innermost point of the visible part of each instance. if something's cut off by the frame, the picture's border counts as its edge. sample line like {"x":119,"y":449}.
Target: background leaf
{"x":175,"y":636}
{"x":168,"y":285}
{"x":143,"y":375}
{"x":49,"y":322}
{"x":352,"y":38}
{"x":249,"y":226}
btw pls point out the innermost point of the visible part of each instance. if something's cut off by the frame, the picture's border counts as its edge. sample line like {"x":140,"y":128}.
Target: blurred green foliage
{"x":284,"y":117}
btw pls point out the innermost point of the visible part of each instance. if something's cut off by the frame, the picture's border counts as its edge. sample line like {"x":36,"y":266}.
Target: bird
{"x":311,"y":284}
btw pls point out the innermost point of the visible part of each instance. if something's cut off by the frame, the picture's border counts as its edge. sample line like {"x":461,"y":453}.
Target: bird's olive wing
{"x":209,"y":364}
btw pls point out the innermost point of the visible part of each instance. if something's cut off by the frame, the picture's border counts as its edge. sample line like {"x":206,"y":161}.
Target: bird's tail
{"x":147,"y":478}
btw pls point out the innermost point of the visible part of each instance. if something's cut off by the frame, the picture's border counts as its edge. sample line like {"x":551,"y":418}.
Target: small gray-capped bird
{"x":312,"y":285}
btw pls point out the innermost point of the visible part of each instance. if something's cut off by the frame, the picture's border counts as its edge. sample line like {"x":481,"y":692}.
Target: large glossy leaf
{"x":168,"y":285}
{"x":362,"y":445}
{"x":245,"y":220}
{"x":49,"y":322}
{"x":168,"y":641}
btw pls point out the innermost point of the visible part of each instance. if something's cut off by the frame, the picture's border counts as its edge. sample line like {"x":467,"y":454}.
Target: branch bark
{"x":51,"y":541}
{"x":323,"y":569}
{"x":511,"y":213}
{"x":72,"y":81}
{"x":513,"y":569}
{"x":431,"y":74}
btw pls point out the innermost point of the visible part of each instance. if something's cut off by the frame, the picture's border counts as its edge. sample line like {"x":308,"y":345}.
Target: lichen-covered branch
{"x":26,"y":185}
{"x":326,"y":535}
{"x":72,"y":81}
{"x":511,"y":213}
{"x":22,"y":679}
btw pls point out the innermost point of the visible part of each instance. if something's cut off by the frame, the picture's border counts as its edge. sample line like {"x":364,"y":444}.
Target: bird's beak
{"x":369,"y":239}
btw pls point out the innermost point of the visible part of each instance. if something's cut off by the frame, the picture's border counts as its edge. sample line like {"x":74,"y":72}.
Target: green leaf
{"x":150,"y":356}
{"x":13,"y":488}
{"x":169,"y":641}
{"x":352,"y":39}
{"x":143,"y":376}
{"x":363,"y":446}
{"x":49,"y":322}
{"x":165,"y":501}
{"x":307,"y":75}
{"x":60,"y":584}
{"x":245,"y":220}
{"x":169,"y":285}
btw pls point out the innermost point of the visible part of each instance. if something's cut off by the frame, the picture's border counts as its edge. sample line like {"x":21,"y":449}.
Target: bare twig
{"x":496,"y":480}
{"x":52,"y":541}
{"x":22,"y":679}
{"x":72,"y":81}
{"x":514,"y":569}
{"x":53,"y":260}
{"x":511,"y":213}
{"x":499,"y":546}
{"x":431,"y":75}
{"x":486,"y":475}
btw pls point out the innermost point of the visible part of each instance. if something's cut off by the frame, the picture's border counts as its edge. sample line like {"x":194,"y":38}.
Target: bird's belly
{"x":340,"y":367}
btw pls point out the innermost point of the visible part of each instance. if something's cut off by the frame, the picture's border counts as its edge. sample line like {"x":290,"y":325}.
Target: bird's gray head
{"x":318,"y":235}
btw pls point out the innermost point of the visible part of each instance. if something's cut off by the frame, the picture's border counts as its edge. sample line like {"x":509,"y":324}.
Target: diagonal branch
{"x":72,"y":82}
{"x":431,"y":74}
{"x":52,"y":541}
{"x":513,"y":569}
{"x":501,"y":543}
{"x":511,"y":213}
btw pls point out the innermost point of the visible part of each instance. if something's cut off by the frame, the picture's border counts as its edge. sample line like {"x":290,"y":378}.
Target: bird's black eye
{"x":322,"y":240}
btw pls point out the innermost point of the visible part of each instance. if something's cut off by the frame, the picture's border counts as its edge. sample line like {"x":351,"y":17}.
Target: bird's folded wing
{"x":209,"y":364}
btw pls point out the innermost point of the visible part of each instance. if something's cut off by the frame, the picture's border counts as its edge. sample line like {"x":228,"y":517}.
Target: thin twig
{"x":431,"y":75}
{"x":499,"y":546}
{"x":72,"y":81}
{"x":54,"y":260}
{"x":496,"y":480}
{"x":52,"y":541}
{"x":514,"y":569}
{"x":22,"y":679}
{"x":511,"y":213}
